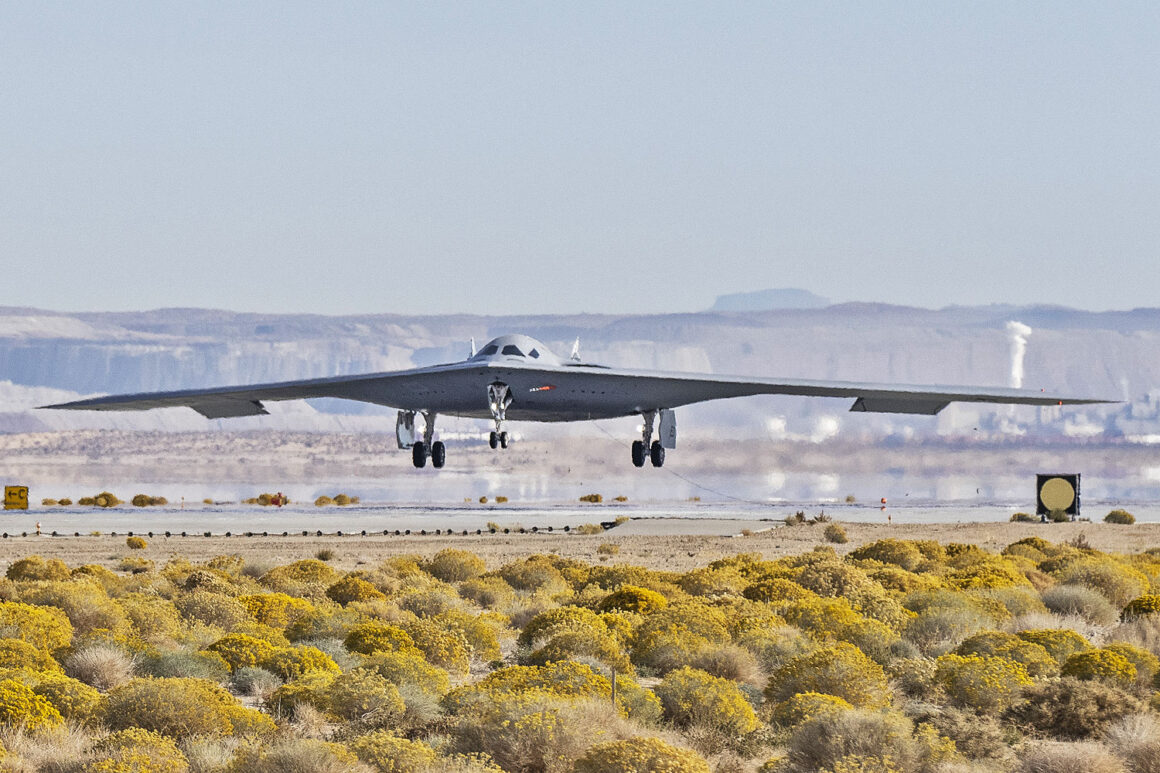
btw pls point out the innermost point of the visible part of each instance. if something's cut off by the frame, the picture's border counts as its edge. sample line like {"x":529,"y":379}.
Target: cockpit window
{"x":488,"y":350}
{"x":534,"y":354}
{"x":513,"y":350}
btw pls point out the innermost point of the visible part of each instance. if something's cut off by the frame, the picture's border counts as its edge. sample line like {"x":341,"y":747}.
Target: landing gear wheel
{"x":657,"y":452}
{"x":419,"y":454}
{"x":638,"y":453}
{"x":438,"y":454}
{"x":493,"y":440}
{"x":503,"y":439}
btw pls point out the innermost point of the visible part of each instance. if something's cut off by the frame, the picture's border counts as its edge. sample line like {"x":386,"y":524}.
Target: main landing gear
{"x":421,"y":450}
{"x":499,"y":397}
{"x":654,"y":450}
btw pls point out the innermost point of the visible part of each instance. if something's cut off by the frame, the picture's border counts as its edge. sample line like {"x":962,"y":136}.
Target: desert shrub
{"x":1056,"y":757}
{"x":184,"y":663}
{"x":446,"y":648}
{"x":102,"y":666}
{"x":901,"y":553}
{"x":292,"y":662}
{"x":943,"y":619}
{"x":323,"y":501}
{"x":373,"y":636}
{"x":805,"y":706}
{"x":308,"y":689}
{"x":308,"y":572}
{"x":75,"y":700}
{"x":136,"y":543}
{"x":254,"y":681}
{"x":294,"y":756}
{"x":840,"y":670}
{"x":1033,"y":657}
{"x":350,"y":589}
{"x":773,"y":646}
{"x":1147,"y":604}
{"x":555,"y":621}
{"x":836,"y":534}
{"x":37,"y":568}
{"x":995,"y":573}
{"x":1101,"y":665}
{"x":1061,"y":644}
{"x":860,"y":740}
{"x":136,"y":751}
{"x":1023,"y":518}
{"x":388,"y":753}
{"x":20,"y":706}
{"x":277,"y":610}
{"x":1120,"y":516}
{"x":639,"y":755}
{"x":430,"y":602}
{"x":730,"y":661}
{"x":17,"y":654}
{"x":329,"y":622}
{"x":672,"y":637}
{"x":533,"y":573}
{"x":984,"y":683}
{"x":776,"y":590}
{"x":825,"y":618}
{"x":714,"y":581}
{"x":1081,"y":601}
{"x":1071,"y":709}
{"x":450,"y":565}
{"x":487,"y":592}
{"x":1136,"y":740}
{"x":179,"y":708}
{"x":212,"y":609}
{"x":239,"y":650}
{"x":629,"y":598}
{"x":1117,"y":582}
{"x":694,"y":698}
{"x":479,"y":631}
{"x":154,"y":619}
{"x":607,"y":549}
{"x":1147,"y":665}
{"x":409,"y":672}
{"x":364,"y":695}
{"x":45,"y":628}
{"x":978,"y":737}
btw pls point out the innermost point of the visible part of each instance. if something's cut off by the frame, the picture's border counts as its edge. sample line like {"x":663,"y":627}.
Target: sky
{"x":611,"y":157}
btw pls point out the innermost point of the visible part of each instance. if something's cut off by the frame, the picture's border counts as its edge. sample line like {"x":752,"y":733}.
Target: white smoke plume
{"x":1018,"y":333}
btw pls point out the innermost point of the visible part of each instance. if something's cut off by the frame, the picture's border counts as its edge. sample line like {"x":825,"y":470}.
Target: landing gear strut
{"x":499,"y":397}
{"x":654,"y":450}
{"x":429,"y":446}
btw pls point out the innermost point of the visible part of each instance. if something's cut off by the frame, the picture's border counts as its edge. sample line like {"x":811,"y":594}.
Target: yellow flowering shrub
{"x":276,"y":610}
{"x":136,"y":751}
{"x":238,"y":650}
{"x":692,"y":697}
{"x":212,"y":609}
{"x":350,"y":589}
{"x":714,"y":581}
{"x":45,"y":628}
{"x":1147,"y":604}
{"x":153,"y":618}
{"x":328,"y":621}
{"x":20,"y":706}
{"x":841,"y":670}
{"x":309,"y":689}
{"x":833,"y":618}
{"x":532,"y":574}
{"x":1034,"y":657}
{"x":995,"y":573}
{"x":551,"y":622}
{"x":388,"y":753}
{"x":776,"y":590}
{"x":85,"y":602}
{"x":805,"y":706}
{"x":487,"y":592}
{"x":309,"y":577}
{"x":136,"y":543}
{"x":37,"y":568}
{"x":1102,"y":665}
{"x":293,"y":662}
{"x":450,"y":565}
{"x":374,"y":636}
{"x":639,"y":755}
{"x":582,"y":643}
{"x":630,"y":598}
{"x":479,"y":631}
{"x":409,"y":670}
{"x":446,"y":648}
{"x":364,"y":694}
{"x":1147,"y":665}
{"x":75,"y":700}
{"x":984,"y":683}
{"x":179,"y":707}
{"x":1061,"y":644}
{"x":901,"y":553}
{"x":15,"y":653}
{"x":1118,"y":582}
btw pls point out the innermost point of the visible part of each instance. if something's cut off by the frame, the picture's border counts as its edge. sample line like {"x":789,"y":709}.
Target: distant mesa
{"x":769,"y":300}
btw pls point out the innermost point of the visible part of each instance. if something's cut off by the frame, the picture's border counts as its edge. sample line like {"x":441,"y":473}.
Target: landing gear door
{"x":668,"y":428}
{"x":405,"y":431}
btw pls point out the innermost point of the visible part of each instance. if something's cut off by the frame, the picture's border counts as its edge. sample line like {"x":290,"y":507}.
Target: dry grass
{"x":1060,"y":757}
{"x":100,"y":665}
{"x":1136,"y":739}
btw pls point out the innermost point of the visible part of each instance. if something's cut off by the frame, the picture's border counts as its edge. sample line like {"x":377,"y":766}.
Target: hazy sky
{"x":591,"y":156}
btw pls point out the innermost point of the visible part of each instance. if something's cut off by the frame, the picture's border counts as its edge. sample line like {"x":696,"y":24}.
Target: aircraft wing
{"x":395,"y":389}
{"x":668,"y":390}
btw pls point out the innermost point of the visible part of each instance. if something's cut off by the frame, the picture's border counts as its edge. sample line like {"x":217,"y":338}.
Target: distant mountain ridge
{"x":768,"y":300}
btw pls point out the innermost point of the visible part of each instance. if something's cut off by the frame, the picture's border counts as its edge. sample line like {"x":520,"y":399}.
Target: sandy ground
{"x":663,"y":547}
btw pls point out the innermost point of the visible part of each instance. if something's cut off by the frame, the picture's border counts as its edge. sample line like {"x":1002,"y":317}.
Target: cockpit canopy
{"x":516,"y":347}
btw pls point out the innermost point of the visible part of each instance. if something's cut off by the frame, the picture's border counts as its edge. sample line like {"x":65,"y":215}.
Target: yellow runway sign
{"x":16,"y":497}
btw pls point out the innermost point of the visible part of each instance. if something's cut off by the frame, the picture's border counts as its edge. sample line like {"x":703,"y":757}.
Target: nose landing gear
{"x":499,"y":397}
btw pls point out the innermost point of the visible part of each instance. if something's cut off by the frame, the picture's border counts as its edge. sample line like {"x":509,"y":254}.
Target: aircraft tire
{"x":503,"y":439}
{"x":438,"y":454}
{"x":638,"y":453}
{"x":493,"y":440}
{"x":419,"y":454}
{"x":657,"y":454}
